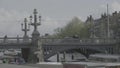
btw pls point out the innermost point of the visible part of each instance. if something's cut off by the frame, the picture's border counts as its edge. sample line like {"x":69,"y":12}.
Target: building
{"x":99,"y":27}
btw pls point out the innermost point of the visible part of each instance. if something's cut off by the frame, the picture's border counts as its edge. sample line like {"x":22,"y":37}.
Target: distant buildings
{"x":98,"y":28}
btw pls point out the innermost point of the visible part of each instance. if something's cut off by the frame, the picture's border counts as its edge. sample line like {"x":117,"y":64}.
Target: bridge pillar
{"x":36,"y":51}
{"x":39,"y":52}
{"x":116,"y":49}
{"x":35,"y":40}
{"x":25,"y":53}
{"x":64,"y":56}
{"x":72,"y":57}
{"x":32,"y":56}
{"x":58,"y":57}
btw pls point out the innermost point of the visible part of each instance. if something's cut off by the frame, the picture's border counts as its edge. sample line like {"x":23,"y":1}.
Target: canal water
{"x":68,"y":57}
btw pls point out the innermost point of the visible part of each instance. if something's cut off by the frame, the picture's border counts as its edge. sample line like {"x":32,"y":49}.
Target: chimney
{"x":115,"y":13}
{"x":91,"y":18}
{"x":87,"y":19}
{"x":105,"y":15}
{"x":102,"y":16}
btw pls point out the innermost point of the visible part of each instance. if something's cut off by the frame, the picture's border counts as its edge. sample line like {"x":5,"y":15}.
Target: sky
{"x":55,"y":13}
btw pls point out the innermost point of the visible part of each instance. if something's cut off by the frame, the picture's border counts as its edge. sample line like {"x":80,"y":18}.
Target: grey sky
{"x":55,"y":12}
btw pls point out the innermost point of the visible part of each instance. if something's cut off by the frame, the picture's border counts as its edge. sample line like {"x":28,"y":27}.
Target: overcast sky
{"x":55,"y":13}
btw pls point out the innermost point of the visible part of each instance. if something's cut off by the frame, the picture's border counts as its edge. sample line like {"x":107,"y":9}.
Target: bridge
{"x":83,"y":46}
{"x":36,"y":47}
{"x":52,"y":46}
{"x":14,"y":43}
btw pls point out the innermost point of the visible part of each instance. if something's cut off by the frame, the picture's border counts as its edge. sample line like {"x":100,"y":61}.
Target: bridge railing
{"x":82,"y":41}
{"x":50,"y":40}
{"x":98,"y":40}
{"x":13,"y":40}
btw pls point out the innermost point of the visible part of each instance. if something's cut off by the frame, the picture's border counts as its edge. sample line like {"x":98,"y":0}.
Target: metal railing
{"x":13,"y":40}
{"x":60,"y":40}
{"x":82,"y":41}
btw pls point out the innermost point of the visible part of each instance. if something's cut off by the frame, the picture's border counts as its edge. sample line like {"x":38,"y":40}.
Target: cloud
{"x":103,"y":6}
{"x":115,"y":6}
{"x":48,"y":25}
{"x":10,"y":23}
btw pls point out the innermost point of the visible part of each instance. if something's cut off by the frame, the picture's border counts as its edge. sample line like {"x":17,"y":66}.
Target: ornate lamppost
{"x":25,"y":29}
{"x":35,"y":23}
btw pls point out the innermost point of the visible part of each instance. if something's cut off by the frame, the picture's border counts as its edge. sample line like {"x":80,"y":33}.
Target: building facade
{"x":98,"y":28}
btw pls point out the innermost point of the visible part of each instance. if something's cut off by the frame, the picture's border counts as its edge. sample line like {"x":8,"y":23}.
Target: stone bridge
{"x":52,"y":46}
{"x":14,"y":43}
{"x":84,"y":46}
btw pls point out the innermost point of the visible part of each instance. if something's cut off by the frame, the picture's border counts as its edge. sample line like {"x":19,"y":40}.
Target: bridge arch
{"x":83,"y":50}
